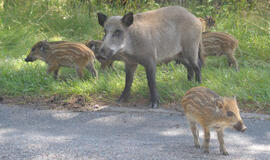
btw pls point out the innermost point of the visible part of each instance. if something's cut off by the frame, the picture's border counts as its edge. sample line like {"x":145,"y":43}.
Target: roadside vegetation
{"x":23,"y":23}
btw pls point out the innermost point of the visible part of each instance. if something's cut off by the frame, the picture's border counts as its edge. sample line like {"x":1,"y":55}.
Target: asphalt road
{"x":119,"y":134}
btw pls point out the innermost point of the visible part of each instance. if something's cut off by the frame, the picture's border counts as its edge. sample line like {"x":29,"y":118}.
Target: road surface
{"x":119,"y":133}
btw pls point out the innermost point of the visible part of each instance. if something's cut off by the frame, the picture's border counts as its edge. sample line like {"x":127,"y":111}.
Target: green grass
{"x":20,"y":28}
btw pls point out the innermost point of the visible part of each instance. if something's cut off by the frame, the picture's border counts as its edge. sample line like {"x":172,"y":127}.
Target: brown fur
{"x":219,"y":43}
{"x":202,"y":105}
{"x":63,"y":54}
{"x":207,"y":23}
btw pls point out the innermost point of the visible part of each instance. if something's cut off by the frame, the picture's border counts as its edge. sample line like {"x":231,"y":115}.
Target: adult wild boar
{"x":150,"y":38}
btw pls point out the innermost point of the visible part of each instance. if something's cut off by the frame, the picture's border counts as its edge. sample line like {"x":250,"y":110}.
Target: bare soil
{"x":80,"y":103}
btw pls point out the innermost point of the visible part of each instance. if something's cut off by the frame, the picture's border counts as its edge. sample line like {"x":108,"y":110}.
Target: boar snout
{"x":104,"y":53}
{"x":29,"y":59}
{"x":240,"y":126}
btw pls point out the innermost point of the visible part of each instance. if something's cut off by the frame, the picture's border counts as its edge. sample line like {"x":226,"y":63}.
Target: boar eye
{"x":117,"y":33}
{"x":230,"y":113}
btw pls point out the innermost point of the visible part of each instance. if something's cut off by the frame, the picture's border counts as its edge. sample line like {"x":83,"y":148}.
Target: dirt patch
{"x":57,"y":102}
{"x":82,"y":103}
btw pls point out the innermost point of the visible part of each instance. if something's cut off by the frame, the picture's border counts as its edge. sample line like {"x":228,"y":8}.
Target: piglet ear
{"x":44,"y":45}
{"x":127,"y":19}
{"x":101,"y":18}
{"x":219,"y":103}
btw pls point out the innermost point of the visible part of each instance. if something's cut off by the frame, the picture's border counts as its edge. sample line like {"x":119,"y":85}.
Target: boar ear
{"x":101,"y":18}
{"x":219,"y":103}
{"x":127,"y":19}
{"x":44,"y":46}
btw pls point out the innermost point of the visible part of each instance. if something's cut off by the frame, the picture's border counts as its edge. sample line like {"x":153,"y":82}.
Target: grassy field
{"x":24,"y":24}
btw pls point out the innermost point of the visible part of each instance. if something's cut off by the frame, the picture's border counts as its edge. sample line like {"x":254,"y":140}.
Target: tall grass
{"x":22,"y":25}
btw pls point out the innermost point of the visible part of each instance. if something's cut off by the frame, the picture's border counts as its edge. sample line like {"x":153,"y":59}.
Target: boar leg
{"x":108,"y":63}
{"x":130,"y":70}
{"x":195,"y":133}
{"x":197,"y":70}
{"x":206,"y":140}
{"x":79,"y":72}
{"x":232,"y":61}
{"x":221,"y":143}
{"x":190,"y":72}
{"x":151,"y":78}
{"x":56,"y":73}
{"x":191,"y":54}
{"x":53,"y":68}
{"x":91,"y":68}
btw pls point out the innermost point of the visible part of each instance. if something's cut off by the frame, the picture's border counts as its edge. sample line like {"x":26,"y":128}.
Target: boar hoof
{"x":154,"y":105}
{"x":206,"y":151}
{"x":197,"y":146}
{"x":122,"y":99}
{"x":225,"y":153}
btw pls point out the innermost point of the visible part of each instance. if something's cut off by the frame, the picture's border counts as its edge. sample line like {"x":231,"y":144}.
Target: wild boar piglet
{"x":207,"y":23}
{"x":95,"y":45}
{"x":205,"y":107}
{"x":219,"y":43}
{"x":63,"y":54}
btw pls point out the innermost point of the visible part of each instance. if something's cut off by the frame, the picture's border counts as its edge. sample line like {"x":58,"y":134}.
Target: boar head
{"x":231,"y":114}
{"x":38,"y":51}
{"x":95,"y":45}
{"x":115,"y":38}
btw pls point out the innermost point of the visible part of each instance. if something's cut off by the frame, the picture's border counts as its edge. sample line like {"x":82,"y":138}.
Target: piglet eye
{"x":230,"y":113}
{"x":93,"y":47}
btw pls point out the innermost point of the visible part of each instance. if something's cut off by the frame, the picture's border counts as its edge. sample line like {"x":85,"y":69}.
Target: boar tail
{"x":201,"y":54}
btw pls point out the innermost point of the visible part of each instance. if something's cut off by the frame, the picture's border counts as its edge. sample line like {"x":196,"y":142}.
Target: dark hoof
{"x":1,"y":99}
{"x":206,"y":151}
{"x":198,"y":80}
{"x":197,"y":146}
{"x":122,"y":100}
{"x":225,"y":153}
{"x":155,"y":104}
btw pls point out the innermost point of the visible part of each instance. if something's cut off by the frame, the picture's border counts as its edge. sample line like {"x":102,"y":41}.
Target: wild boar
{"x":150,"y":38}
{"x":207,"y":23}
{"x":219,"y":43}
{"x":202,"y":105}
{"x":63,"y":54}
{"x":94,"y":45}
